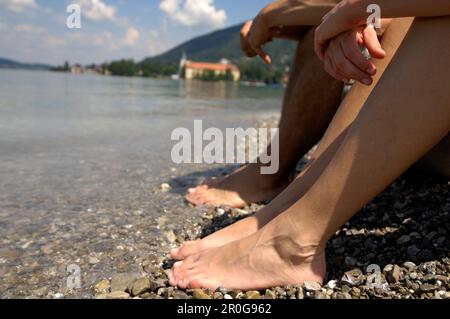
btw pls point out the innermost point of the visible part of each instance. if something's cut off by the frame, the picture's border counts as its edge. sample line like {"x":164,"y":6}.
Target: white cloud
{"x":194,"y":12}
{"x":30,"y":28}
{"x":97,"y":10}
{"x":131,"y":37}
{"x":18,"y":5}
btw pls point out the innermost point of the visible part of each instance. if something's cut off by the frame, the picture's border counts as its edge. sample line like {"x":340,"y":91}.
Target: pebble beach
{"x":403,"y":233}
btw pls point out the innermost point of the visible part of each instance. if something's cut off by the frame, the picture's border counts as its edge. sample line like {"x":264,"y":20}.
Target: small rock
{"x":252,"y":295}
{"x":200,"y":294}
{"x":404,"y":240}
{"x":102,"y":287}
{"x":58,"y":296}
{"x":121,"y":282}
{"x":237,"y":294}
{"x":156,"y":284}
{"x":170,"y":235}
{"x":353,"y":278}
{"x":409,"y":265}
{"x":222,"y":290}
{"x":178,"y":294}
{"x":93,"y":260}
{"x":413,"y":275}
{"x":320,"y":295}
{"x":140,"y":287}
{"x":412,"y":251}
{"x":300,"y":295}
{"x":395,"y":275}
{"x":165,"y":188}
{"x":332,"y":284}
{"x":227,"y":297}
{"x":312,"y":286}
{"x":218,"y":295}
{"x":427,"y":287}
{"x":270,"y":294}
{"x":350,"y":261}
{"x":117,"y":295}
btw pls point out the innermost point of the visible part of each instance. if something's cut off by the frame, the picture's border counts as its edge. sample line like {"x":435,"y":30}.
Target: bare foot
{"x":240,"y":188}
{"x":237,"y":231}
{"x":274,"y":256}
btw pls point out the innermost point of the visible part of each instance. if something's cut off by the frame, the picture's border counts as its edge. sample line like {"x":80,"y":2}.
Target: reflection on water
{"x":61,"y":132}
{"x":204,"y":90}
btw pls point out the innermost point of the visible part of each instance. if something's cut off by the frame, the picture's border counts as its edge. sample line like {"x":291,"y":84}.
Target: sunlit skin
{"x":383,"y":129}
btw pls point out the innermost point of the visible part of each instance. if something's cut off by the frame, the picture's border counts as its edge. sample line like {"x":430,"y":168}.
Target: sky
{"x":36,"y":30}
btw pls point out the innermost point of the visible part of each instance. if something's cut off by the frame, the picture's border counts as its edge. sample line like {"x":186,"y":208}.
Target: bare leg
{"x":402,"y":120}
{"x":330,"y":143}
{"x":311,"y":100}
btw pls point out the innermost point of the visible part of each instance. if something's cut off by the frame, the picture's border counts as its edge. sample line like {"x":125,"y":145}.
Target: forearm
{"x":296,"y":13}
{"x":400,"y":8}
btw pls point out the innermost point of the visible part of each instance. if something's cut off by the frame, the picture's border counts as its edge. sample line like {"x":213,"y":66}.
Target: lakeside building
{"x":210,"y":71}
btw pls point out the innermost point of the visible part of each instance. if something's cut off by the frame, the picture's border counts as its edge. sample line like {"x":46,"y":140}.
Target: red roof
{"x":211,"y":66}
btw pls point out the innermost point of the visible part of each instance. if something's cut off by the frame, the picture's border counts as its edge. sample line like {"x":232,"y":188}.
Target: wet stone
{"x":102,"y":287}
{"x":156,"y":284}
{"x":121,"y":282}
{"x":117,"y":295}
{"x":140,"y":287}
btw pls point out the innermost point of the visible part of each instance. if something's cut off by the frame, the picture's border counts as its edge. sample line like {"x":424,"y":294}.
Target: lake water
{"x":82,"y":159}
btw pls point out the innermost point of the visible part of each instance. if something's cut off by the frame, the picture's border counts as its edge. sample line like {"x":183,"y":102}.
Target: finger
{"x":372,"y":43}
{"x":353,"y":53}
{"x":319,"y":45}
{"x":264,"y":56}
{"x":347,"y":68}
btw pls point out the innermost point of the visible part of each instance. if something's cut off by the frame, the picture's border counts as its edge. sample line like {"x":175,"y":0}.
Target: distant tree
{"x":123,"y":68}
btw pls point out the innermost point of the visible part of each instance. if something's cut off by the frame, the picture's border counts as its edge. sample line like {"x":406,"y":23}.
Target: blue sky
{"x":36,"y":31}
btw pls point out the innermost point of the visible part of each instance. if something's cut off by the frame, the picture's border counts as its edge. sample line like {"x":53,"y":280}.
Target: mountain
{"x":10,"y":64}
{"x":222,"y":44}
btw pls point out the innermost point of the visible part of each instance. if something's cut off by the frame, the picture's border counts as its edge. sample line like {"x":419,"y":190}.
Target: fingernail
{"x":371,"y":70}
{"x":178,"y":264}
{"x":367,"y":81}
{"x":175,"y":251}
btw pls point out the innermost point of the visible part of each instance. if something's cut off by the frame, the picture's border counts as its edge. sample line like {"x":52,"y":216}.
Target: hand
{"x":337,"y":21}
{"x":344,"y":60}
{"x":254,"y":35}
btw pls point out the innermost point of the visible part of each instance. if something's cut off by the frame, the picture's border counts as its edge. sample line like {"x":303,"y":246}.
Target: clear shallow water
{"x":72,"y":147}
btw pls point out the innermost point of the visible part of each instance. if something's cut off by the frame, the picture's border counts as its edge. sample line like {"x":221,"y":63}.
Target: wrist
{"x":265,"y":15}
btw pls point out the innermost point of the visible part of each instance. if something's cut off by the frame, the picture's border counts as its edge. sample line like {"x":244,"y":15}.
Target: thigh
{"x":355,"y":99}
